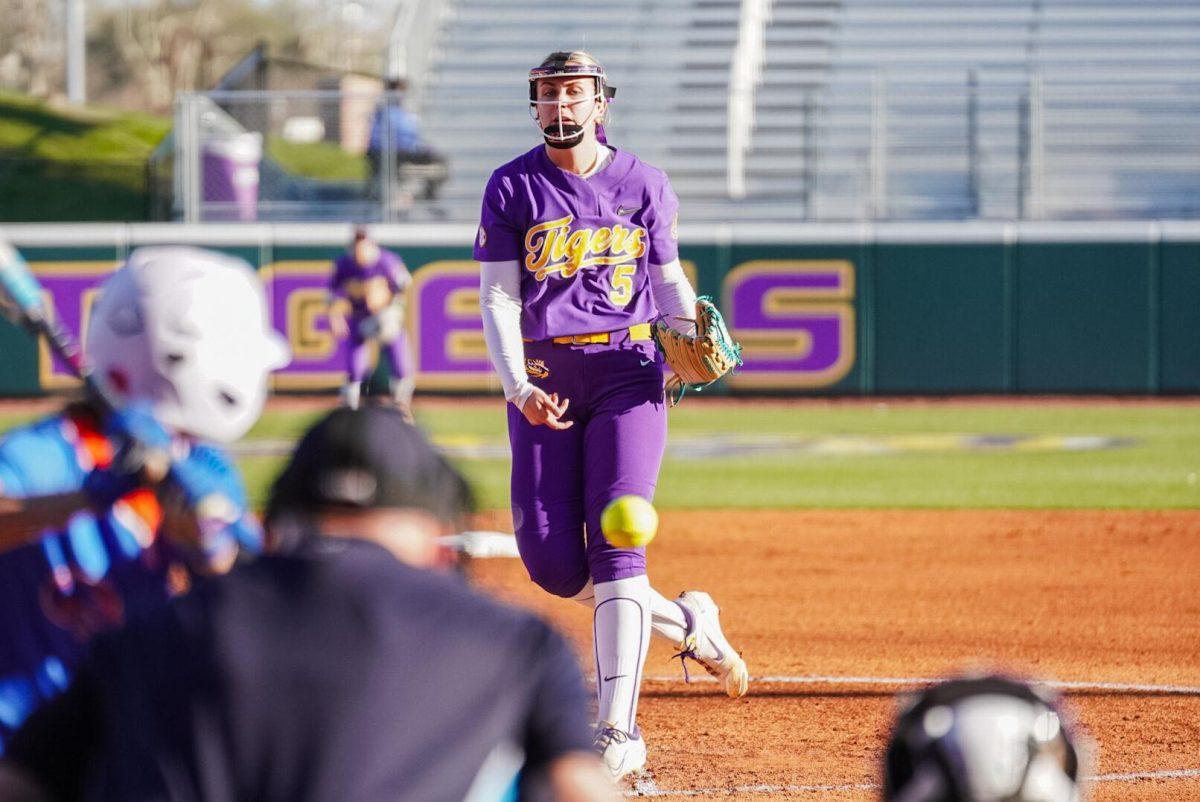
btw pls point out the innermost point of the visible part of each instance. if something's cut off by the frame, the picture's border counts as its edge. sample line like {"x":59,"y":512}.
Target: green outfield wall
{"x":822,"y":309}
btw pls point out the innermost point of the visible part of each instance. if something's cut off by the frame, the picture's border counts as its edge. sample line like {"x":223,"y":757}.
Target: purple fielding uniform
{"x":583,"y":246}
{"x":349,"y":281}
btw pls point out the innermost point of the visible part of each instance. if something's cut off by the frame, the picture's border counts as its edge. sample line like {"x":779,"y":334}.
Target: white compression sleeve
{"x":673,"y":294}
{"x":500,"y":305}
{"x":667,"y":619}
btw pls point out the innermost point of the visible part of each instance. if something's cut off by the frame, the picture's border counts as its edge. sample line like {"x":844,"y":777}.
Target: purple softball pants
{"x":562,"y":480}
{"x":359,"y":357}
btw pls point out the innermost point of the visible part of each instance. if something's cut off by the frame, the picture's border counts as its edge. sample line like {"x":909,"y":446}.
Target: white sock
{"x":621,"y":628}
{"x":351,"y":393}
{"x":402,"y":390}
{"x":667,"y":620}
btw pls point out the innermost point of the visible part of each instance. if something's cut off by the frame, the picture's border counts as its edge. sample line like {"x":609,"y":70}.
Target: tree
{"x":164,"y":47}
{"x":141,"y":52}
{"x":31,"y":46}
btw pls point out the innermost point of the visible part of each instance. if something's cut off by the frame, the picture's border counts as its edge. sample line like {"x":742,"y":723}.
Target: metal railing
{"x":411,"y":44}
{"x":745,"y":73}
{"x":886,"y":146}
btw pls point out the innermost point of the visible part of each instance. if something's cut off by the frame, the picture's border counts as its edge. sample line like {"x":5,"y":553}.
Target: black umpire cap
{"x":367,"y":458}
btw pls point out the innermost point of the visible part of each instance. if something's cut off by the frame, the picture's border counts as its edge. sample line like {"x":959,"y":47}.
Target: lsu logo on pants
{"x":537,"y":368}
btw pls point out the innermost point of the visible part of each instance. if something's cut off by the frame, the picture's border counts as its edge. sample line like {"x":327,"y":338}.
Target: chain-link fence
{"x":312,"y":155}
{"x":866,"y":146}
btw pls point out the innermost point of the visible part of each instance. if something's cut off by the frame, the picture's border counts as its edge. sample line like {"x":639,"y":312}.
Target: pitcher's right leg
{"x":547,"y":503}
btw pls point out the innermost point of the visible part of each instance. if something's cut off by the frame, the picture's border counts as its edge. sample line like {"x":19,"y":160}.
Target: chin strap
{"x":564,"y":139}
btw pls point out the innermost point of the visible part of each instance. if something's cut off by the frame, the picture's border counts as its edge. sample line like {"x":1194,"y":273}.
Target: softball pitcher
{"x":578,"y":257}
{"x":366,"y":304}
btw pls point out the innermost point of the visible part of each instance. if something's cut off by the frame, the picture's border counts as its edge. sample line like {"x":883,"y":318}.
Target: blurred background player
{"x":578,"y":254}
{"x":981,"y":739}
{"x":346,"y":666}
{"x":181,"y":335}
{"x":367,"y":291}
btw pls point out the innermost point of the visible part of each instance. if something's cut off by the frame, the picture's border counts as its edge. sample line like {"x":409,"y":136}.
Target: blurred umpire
{"x":345,"y":666}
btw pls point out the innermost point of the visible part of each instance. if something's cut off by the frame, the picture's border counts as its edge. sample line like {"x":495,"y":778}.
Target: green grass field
{"x":76,"y":163}
{"x":324,"y":160}
{"x":90,"y":163}
{"x":1157,"y":467}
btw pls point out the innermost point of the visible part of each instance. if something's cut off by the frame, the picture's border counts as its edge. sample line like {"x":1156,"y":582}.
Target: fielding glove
{"x":697,"y":360}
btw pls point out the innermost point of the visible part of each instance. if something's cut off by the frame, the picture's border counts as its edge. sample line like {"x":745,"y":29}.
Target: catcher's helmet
{"x":981,"y":739}
{"x":188,"y":330}
{"x":575,"y":64}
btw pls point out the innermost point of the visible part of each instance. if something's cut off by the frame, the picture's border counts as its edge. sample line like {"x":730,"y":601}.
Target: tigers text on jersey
{"x":583,"y":244}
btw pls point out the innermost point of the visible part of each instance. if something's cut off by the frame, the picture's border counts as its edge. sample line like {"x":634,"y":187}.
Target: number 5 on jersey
{"x":622,"y":284}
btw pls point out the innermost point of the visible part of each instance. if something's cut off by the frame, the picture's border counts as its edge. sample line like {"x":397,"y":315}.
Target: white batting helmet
{"x":187,"y":329}
{"x":981,"y":739}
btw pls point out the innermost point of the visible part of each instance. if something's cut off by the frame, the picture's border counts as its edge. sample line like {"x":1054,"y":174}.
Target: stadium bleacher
{"x":864,"y":109}
{"x":669,"y":60}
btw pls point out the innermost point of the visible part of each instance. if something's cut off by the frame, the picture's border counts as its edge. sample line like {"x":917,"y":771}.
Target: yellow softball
{"x":629,"y":521}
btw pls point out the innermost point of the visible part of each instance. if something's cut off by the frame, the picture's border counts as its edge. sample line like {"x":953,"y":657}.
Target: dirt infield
{"x":1078,"y":597}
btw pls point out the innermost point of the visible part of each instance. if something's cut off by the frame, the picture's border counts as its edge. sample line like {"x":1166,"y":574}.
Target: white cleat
{"x":705,"y":643}
{"x":623,"y":753}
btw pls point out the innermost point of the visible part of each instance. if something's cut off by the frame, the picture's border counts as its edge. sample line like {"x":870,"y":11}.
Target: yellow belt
{"x":639,"y":331}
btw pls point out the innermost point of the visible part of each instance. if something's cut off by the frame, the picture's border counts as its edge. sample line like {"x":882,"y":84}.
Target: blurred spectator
{"x":981,"y":739}
{"x":345,"y":665}
{"x":420,"y":171}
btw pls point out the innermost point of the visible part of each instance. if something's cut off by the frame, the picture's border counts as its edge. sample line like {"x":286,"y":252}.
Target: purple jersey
{"x":349,"y":280}
{"x":583,"y":243}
